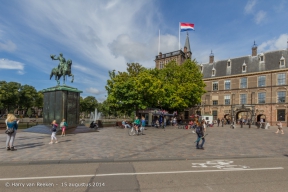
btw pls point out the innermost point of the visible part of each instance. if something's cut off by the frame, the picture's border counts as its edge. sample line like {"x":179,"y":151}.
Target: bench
{"x":2,"y":126}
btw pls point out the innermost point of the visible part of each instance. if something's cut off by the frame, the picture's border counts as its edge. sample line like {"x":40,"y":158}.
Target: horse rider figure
{"x":62,"y":63}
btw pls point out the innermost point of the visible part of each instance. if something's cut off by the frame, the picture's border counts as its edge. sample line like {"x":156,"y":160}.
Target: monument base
{"x":61,"y":102}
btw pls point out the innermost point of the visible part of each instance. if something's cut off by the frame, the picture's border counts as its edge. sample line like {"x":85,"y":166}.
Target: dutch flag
{"x":187,"y":27}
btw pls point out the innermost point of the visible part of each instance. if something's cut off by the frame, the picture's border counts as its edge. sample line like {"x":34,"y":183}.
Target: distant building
{"x":179,"y":56}
{"x":249,"y":87}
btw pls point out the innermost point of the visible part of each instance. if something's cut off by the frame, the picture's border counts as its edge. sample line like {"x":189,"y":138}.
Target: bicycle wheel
{"x":131,"y":131}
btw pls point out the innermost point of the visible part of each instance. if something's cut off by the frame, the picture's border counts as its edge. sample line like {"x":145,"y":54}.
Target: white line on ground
{"x":144,"y":173}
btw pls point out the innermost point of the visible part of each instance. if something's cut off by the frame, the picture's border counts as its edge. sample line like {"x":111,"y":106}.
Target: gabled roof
{"x":253,"y":63}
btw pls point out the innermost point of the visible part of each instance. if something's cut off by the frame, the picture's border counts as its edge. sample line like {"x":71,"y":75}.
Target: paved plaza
{"x":114,"y":144}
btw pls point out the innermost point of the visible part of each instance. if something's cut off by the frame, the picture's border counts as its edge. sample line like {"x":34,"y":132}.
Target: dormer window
{"x":282,"y":62}
{"x":261,"y":57}
{"x":213,"y":71}
{"x":229,"y":63}
{"x":201,"y":68}
{"x":244,"y":67}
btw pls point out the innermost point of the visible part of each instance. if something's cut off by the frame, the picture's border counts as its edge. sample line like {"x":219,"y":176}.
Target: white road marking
{"x":144,"y":173}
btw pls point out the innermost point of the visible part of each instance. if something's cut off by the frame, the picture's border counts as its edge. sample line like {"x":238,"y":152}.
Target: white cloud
{"x":7,"y":46}
{"x":140,"y":52}
{"x":249,"y":6}
{"x":260,"y":16}
{"x":274,"y":44}
{"x":93,"y":91}
{"x":8,"y":64}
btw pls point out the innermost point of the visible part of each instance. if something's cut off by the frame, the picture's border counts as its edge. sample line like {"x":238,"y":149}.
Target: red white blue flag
{"x":186,"y":27}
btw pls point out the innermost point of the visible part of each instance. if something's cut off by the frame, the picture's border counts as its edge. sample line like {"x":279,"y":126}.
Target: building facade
{"x":179,"y":56}
{"x":249,"y":87}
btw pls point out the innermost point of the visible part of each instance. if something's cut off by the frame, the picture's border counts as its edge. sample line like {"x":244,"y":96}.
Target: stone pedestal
{"x":61,"y":102}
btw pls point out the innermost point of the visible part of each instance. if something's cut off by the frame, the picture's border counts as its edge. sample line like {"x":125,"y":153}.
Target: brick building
{"x":178,"y":56}
{"x":250,"y":87}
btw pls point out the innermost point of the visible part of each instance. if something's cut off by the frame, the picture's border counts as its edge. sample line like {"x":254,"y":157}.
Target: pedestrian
{"x":143,"y":124}
{"x":63,"y":126}
{"x":232,"y":125}
{"x":12,"y":125}
{"x":222,"y":121}
{"x":200,"y":130}
{"x":53,"y":129}
{"x":280,"y":127}
{"x":218,"y":121}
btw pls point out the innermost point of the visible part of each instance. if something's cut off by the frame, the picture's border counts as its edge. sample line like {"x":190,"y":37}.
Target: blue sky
{"x":102,"y":35}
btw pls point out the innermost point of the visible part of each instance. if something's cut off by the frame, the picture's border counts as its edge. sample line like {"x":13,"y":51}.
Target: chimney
{"x":254,"y":49}
{"x":211,"y":57}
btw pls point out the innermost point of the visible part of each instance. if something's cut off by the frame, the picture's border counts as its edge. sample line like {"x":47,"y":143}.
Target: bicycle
{"x":132,"y":131}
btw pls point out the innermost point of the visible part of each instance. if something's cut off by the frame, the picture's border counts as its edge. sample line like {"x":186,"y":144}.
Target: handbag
{"x":9,"y":131}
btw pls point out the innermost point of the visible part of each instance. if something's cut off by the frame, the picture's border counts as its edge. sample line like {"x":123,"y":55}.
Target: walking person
{"x":222,"y":121}
{"x":143,"y":124}
{"x":54,"y":129}
{"x":11,"y":124}
{"x":280,"y":127}
{"x":218,"y":121}
{"x":63,"y":126}
{"x":200,"y":130}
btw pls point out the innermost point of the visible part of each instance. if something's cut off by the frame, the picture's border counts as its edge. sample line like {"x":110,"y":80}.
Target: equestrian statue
{"x":63,"y":69}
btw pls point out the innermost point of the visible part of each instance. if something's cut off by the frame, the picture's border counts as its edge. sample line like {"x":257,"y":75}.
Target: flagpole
{"x":159,"y":43}
{"x":179,"y":35}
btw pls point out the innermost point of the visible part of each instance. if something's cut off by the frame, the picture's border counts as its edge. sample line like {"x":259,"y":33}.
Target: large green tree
{"x":88,"y":104}
{"x":9,"y":95}
{"x":27,"y":97}
{"x":182,"y":84}
{"x":175,"y":87}
{"x":133,"y":89}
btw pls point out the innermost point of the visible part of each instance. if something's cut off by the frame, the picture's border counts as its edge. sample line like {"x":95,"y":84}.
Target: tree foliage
{"x":175,"y":87}
{"x":88,"y":104}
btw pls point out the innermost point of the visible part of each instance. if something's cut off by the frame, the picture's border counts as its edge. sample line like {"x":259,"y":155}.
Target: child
{"x":54,"y":129}
{"x":63,"y":126}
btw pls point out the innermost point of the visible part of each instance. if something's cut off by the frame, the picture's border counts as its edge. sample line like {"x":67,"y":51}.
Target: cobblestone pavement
{"x":114,"y":144}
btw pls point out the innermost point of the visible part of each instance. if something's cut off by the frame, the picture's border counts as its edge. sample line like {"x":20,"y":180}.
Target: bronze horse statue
{"x":59,"y":72}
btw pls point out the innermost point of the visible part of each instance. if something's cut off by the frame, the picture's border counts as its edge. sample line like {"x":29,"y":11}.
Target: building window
{"x":201,"y":68}
{"x":261,"y":97}
{"x":215,"y":86}
{"x":243,"y":82}
{"x":227,"y":85}
{"x":229,"y":63}
{"x":213,"y":72}
{"x":243,"y":98}
{"x":244,"y":68}
{"x":281,"y":115}
{"x":282,"y":62}
{"x":261,"y":58}
{"x":215,"y":102}
{"x":281,"y":96}
{"x":161,"y":65}
{"x":261,"y":81}
{"x":215,"y":115}
{"x":281,"y":79}
{"x":227,"y":99}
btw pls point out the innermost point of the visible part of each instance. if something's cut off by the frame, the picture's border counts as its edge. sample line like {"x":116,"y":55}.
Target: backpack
{"x":198,"y":130}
